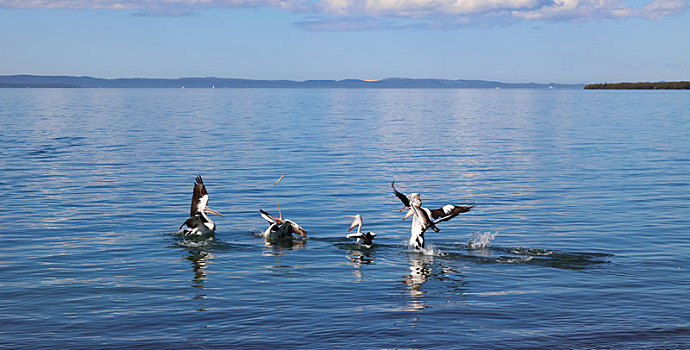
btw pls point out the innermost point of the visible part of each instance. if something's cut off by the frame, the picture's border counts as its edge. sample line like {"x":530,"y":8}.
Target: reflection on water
{"x":199,"y":254}
{"x":444,"y":272}
{"x":357,"y":259}
{"x":290,"y":244}
{"x":279,"y":248}
{"x":420,"y":270}
{"x":199,"y":259}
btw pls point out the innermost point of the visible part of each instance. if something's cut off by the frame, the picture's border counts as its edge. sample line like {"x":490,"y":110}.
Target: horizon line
{"x":363,"y":80}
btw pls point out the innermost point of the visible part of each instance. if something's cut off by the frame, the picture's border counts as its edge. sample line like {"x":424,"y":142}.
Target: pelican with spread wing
{"x":198,"y":223}
{"x":423,"y":218}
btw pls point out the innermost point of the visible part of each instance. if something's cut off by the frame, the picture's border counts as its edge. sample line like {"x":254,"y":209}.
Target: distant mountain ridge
{"x":42,"y":81}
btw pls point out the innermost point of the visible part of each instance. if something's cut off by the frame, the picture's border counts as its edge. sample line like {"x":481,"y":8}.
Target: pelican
{"x":280,"y":228}
{"x":363,"y":239}
{"x":198,"y":223}
{"x":423,"y":218}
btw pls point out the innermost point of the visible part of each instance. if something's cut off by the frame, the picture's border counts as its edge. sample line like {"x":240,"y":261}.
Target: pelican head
{"x":295,"y":228}
{"x":415,"y":200}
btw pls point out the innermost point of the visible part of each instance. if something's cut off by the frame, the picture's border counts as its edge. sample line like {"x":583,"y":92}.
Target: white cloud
{"x":660,"y":8}
{"x":363,"y":14}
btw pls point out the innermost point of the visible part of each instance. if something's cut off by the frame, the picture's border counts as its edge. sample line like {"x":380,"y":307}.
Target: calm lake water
{"x":580,"y":237}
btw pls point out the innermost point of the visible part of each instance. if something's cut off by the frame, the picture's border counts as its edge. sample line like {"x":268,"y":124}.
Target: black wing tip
{"x":466,"y":207}
{"x":199,"y":180}
{"x":186,"y":223}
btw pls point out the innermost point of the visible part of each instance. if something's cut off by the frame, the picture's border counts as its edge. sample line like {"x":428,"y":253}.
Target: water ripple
{"x":579,"y":238}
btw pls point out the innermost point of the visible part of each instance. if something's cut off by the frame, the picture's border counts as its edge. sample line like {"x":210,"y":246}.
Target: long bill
{"x":357,"y":222}
{"x":408,"y":214}
{"x":209,"y":210}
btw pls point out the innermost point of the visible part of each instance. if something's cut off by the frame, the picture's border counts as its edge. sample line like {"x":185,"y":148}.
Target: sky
{"x":544,"y":41}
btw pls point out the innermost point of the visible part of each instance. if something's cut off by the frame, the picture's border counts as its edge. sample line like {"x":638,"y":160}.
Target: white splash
{"x":429,"y":249}
{"x":479,"y":240}
{"x":256,"y":233}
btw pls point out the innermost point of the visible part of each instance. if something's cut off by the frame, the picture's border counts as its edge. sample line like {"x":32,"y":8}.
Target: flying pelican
{"x":280,"y":228}
{"x":364,"y":239}
{"x":423,"y":218}
{"x":198,"y":223}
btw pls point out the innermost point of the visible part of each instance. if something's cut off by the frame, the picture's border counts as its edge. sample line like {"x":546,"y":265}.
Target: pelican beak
{"x":409,"y":213}
{"x":354,"y":224}
{"x":300,"y":231}
{"x":403,"y":208}
{"x":209,"y":210}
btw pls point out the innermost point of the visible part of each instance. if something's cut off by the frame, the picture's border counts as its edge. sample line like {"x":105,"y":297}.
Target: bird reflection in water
{"x":200,"y":260}
{"x":420,"y":269}
{"x":278,"y":248}
{"x":357,"y":259}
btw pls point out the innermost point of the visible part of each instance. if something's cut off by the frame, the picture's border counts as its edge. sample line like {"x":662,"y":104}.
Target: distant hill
{"x":37,"y":81}
{"x":663,"y":85}
{"x":31,"y":85}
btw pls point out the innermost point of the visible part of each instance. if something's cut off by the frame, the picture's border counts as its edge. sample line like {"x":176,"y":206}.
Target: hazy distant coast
{"x":664,"y":85}
{"x":36,"y":81}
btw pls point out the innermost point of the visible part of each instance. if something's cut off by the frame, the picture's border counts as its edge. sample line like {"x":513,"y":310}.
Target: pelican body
{"x":363,"y":239}
{"x":279,"y":228}
{"x":199,"y":223}
{"x":423,"y":218}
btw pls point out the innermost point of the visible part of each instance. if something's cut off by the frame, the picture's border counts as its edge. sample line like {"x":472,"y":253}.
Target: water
{"x":580,"y":237}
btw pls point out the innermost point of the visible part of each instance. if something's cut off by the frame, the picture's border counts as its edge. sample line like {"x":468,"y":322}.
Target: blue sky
{"x":564,"y":41}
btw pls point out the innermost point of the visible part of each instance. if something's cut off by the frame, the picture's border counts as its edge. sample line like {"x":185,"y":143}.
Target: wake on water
{"x":477,"y":240}
{"x":481,"y":242}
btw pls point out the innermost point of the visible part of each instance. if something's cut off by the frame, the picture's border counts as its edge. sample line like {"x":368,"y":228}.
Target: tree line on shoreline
{"x":663,"y":85}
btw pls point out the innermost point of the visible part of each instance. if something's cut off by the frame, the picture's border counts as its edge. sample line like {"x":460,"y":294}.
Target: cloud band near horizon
{"x":332,"y":15}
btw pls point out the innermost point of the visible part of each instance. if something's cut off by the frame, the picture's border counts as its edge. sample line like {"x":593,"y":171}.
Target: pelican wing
{"x":423,"y":215}
{"x":356,"y":235}
{"x":269,"y":218}
{"x":449,"y":211}
{"x":403,"y":198}
{"x":199,"y":197}
{"x":187,"y":223}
